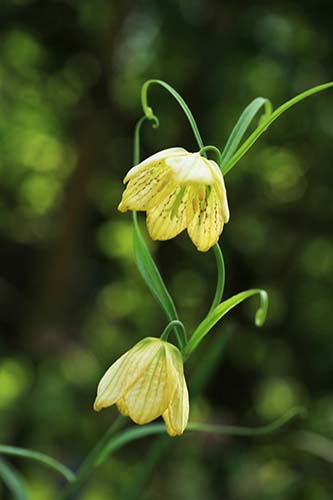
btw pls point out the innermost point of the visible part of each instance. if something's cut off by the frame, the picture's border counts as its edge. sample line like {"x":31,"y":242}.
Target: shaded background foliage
{"x":71,"y":298}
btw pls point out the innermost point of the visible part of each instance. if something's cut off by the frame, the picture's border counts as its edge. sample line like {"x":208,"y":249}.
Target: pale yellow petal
{"x":124,"y":372}
{"x":143,"y":188}
{"x":191,"y":169}
{"x":177,"y":413}
{"x":157,"y":158}
{"x":221,"y":190}
{"x":122,"y":407}
{"x":205,"y":217}
{"x":168,"y":218}
{"x":147,"y":398}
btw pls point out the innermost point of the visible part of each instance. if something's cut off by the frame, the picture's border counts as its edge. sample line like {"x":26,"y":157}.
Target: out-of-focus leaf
{"x":13,"y":481}
{"x":38,"y":457}
{"x":134,"y":433}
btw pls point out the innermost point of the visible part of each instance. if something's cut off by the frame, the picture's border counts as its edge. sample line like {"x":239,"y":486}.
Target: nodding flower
{"x":147,"y":382}
{"x":178,"y":190}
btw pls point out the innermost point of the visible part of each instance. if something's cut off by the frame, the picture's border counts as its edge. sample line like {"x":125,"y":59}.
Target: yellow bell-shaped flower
{"x":178,"y":190}
{"x":147,"y":382}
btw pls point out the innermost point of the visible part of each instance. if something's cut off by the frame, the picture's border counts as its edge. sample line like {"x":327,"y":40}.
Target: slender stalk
{"x":170,"y":326}
{"x":150,"y":114}
{"x":215,"y":150}
{"x":220,"y":277}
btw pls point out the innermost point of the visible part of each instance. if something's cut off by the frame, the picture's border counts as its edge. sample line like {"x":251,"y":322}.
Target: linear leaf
{"x":13,"y":481}
{"x":266,"y":123}
{"x":207,"y":324}
{"x":38,"y":457}
{"x":154,"y":280}
{"x":134,"y":433}
{"x":241,"y":127}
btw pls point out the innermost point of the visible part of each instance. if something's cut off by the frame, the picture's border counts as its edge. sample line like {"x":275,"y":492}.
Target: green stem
{"x":170,"y":327}
{"x":136,"y":141}
{"x":148,"y":111}
{"x":92,"y":459}
{"x":215,"y":150}
{"x":220,"y":277}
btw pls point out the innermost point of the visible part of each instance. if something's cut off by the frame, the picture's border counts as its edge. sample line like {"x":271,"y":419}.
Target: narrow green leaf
{"x":242,"y":125}
{"x":134,"y":433}
{"x":154,"y":280}
{"x":207,"y":324}
{"x":13,"y":481}
{"x":316,"y":444}
{"x":266,"y":123}
{"x":38,"y":457}
{"x":232,"y":430}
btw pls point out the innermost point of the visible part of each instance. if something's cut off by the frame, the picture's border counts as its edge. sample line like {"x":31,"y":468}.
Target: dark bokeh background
{"x":71,"y":298}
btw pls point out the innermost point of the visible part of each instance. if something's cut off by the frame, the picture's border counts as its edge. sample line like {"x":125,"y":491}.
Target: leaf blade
{"x":38,"y":457}
{"x":263,"y":126}
{"x":13,"y":481}
{"x":134,"y":433}
{"x":207,"y":324}
{"x":153,"y":279}
{"x":241,"y":127}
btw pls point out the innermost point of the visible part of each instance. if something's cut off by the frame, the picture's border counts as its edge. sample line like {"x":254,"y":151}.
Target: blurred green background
{"x":71,"y":297}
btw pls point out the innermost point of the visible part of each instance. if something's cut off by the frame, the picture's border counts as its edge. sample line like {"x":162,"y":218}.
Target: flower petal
{"x":168,"y":217}
{"x":155,"y":159}
{"x":143,"y":188}
{"x":122,"y":407}
{"x":125,"y":372}
{"x":205,"y":217}
{"x":147,"y":398}
{"x":177,"y":413}
{"x":220,"y":187}
{"x":191,"y":168}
